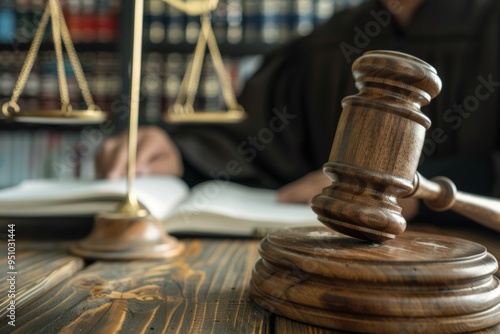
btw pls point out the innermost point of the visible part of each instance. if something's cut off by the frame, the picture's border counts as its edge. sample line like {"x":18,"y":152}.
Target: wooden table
{"x":203,"y":291}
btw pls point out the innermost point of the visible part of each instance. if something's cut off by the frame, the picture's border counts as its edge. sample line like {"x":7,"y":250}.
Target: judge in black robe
{"x":293,"y":101}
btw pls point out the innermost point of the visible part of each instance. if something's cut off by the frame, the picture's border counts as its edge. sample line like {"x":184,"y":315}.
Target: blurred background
{"x":246,"y":30}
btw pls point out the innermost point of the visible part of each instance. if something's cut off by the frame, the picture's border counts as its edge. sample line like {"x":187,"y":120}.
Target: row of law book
{"x":162,"y":76}
{"x":241,"y":21}
{"x":234,"y":21}
{"x":87,"y":20}
{"x":44,"y":153}
{"x":42,"y":87}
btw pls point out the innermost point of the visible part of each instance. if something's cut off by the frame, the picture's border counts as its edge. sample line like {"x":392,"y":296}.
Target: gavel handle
{"x":441,"y":194}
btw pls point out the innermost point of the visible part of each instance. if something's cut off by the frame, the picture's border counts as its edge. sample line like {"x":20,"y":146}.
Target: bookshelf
{"x":245,"y":31}
{"x":32,"y":150}
{"x":101,"y":29}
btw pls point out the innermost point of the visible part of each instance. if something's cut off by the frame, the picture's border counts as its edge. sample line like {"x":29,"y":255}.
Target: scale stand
{"x":130,"y":232}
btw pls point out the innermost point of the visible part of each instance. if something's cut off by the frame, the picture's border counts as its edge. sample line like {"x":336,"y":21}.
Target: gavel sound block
{"x":365,"y":279}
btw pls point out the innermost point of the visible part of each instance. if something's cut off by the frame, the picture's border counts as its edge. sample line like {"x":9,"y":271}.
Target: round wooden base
{"x":416,"y":283}
{"x":117,"y":237}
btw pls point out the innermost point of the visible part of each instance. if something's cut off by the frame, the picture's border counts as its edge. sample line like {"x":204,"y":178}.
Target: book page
{"x":244,"y":203}
{"x":160,"y":194}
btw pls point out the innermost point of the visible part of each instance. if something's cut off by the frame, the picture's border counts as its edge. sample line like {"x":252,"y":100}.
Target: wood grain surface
{"x":46,"y":271}
{"x":418,"y":280}
{"x":205,"y":290}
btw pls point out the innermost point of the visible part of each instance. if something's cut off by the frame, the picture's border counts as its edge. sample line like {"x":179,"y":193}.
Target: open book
{"x":210,"y":208}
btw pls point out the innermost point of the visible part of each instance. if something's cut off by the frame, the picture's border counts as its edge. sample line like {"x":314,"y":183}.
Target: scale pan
{"x":223,"y":116}
{"x":86,"y":116}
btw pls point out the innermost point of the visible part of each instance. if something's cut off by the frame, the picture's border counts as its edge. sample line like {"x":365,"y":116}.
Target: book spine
{"x":38,"y":139}
{"x":98,"y":79}
{"x":304,"y":17}
{"x":283,"y":21}
{"x":269,"y":32}
{"x":106,"y":23}
{"x":25,"y":147}
{"x":234,"y":21}
{"x":73,"y":13}
{"x":5,"y":160}
{"x":251,"y":21}
{"x":324,"y":9}
{"x":49,"y":92}
{"x":26,"y":23}
{"x":84,"y":151}
{"x":173,"y":73}
{"x":7,"y":21}
{"x":92,"y":20}
{"x":32,"y":91}
{"x":154,"y":27}
{"x":88,"y":21}
{"x":54,"y":168}
{"x":247,"y":21}
{"x":68,"y":155}
{"x":151,"y":87}
{"x":7,"y":76}
{"x":220,"y":23}
{"x":16,"y":158}
{"x":209,"y":97}
{"x":42,"y":153}
{"x":175,"y":25}
{"x":192,"y":28}
{"x":28,"y":16}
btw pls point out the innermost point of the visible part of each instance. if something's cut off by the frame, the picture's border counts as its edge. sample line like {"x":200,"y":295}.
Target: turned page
{"x":222,"y":207}
{"x":50,"y":197}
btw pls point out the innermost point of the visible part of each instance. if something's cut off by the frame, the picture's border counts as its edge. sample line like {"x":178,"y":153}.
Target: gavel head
{"x":377,"y":146}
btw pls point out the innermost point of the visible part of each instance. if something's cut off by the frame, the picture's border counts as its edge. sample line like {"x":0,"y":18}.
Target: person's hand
{"x":156,"y":154}
{"x":304,"y":189}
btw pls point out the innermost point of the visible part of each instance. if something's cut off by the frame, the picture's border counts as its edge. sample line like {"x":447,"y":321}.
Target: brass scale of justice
{"x":353,"y":274}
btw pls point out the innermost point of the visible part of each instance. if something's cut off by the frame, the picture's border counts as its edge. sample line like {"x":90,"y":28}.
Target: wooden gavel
{"x":376,"y":150}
